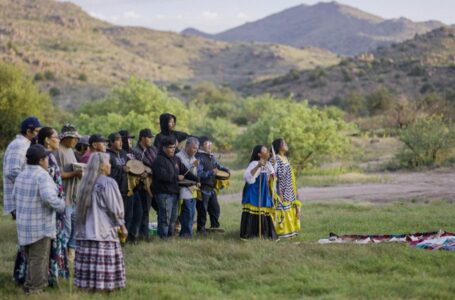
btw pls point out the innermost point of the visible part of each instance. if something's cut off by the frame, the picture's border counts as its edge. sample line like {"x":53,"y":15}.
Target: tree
{"x":19,"y":98}
{"x":379,"y":101}
{"x":311,"y":133}
{"x":134,"y":105}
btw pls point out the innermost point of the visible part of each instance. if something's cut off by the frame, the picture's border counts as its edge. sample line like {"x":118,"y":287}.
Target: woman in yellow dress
{"x":287,"y":208}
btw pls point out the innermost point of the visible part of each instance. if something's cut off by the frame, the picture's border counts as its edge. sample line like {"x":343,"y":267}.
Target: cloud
{"x":242,"y":16}
{"x":211,"y":15}
{"x":131,"y":15}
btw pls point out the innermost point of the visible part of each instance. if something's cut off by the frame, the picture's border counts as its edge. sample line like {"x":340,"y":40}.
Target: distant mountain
{"x":422,"y":65}
{"x":78,"y":58}
{"x":338,"y":28}
{"x":194,"y":32}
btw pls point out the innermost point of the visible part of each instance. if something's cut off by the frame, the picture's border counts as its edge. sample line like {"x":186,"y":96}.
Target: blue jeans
{"x":167,"y":214}
{"x":187,"y":217}
{"x":69,"y":226}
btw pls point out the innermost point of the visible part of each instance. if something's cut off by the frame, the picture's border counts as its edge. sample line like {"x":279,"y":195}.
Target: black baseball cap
{"x":30,"y":123}
{"x":96,"y":138}
{"x":146,"y":132}
{"x":36,"y":152}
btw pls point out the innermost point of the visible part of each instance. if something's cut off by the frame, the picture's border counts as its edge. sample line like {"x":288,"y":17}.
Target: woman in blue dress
{"x":257,"y":199}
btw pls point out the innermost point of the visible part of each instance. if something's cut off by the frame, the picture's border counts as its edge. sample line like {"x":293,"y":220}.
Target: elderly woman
{"x":257,"y":201}
{"x":99,"y":263}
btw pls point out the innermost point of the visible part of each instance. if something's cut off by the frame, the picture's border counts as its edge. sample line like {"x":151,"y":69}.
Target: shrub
{"x":428,"y":141}
{"x":82,"y":77}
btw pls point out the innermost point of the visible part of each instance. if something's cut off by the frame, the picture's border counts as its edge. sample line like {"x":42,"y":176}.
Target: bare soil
{"x":423,"y":186}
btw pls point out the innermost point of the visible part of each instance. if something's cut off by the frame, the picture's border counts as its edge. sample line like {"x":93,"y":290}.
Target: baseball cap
{"x":36,"y":152}
{"x":146,"y":132}
{"x":114,"y":136}
{"x":30,"y":123}
{"x":125,"y":133}
{"x":96,"y":138}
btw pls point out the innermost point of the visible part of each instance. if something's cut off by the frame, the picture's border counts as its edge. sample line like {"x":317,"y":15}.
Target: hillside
{"x":416,"y":67}
{"x":338,"y":28}
{"x":77,"y":57}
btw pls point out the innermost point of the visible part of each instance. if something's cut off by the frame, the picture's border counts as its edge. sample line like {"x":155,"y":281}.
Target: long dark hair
{"x":256,"y":150}
{"x":45,"y":132}
{"x":276,"y":145}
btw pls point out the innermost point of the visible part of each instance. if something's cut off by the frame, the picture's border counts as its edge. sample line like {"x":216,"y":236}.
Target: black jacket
{"x":165,"y":131}
{"x":208,"y":162}
{"x":118,"y":161}
{"x":165,"y":171}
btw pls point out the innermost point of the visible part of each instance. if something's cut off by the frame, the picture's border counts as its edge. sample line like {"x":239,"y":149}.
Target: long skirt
{"x":249,"y":224}
{"x":285,"y":219}
{"x":99,"y":265}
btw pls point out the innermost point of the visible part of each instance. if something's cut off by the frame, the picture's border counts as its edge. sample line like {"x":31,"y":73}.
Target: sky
{"x":213,"y":16}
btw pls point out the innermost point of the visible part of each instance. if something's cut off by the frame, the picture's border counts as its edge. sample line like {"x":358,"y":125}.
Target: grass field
{"x":223,"y":267}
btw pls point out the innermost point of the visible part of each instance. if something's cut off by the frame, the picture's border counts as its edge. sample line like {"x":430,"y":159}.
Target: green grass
{"x":223,"y":267}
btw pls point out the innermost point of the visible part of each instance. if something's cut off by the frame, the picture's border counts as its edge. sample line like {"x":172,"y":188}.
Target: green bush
{"x":221,"y":131}
{"x":429,"y":141}
{"x":311,"y":133}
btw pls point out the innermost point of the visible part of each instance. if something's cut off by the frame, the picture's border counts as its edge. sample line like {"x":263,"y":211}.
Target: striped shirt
{"x":13,"y":163}
{"x":36,"y":199}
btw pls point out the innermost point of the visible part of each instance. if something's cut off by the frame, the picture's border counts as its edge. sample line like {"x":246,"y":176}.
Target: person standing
{"x":166,"y":172}
{"x":207,"y":170}
{"x":167,"y":125}
{"x":188,"y":195}
{"x":145,"y":152}
{"x":58,"y":264}
{"x":36,"y":196}
{"x":14,"y":161}
{"x":66,"y":158}
{"x":99,"y":263}
{"x":287,"y":211}
{"x":257,"y":201}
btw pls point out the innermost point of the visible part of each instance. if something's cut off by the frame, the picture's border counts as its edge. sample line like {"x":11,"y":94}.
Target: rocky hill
{"x":77,"y":57}
{"x":338,"y":28}
{"x":422,"y":65}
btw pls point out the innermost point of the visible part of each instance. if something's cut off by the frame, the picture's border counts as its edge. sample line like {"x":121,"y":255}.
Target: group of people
{"x":75,"y":198}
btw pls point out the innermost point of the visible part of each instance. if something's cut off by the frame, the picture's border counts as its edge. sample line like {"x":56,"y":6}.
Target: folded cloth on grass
{"x":426,"y":240}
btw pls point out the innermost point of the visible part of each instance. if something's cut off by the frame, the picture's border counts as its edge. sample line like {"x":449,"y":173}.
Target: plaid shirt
{"x":36,"y":197}
{"x":13,"y":163}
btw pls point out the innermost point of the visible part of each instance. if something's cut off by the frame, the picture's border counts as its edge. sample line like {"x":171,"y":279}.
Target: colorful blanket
{"x":435,"y":240}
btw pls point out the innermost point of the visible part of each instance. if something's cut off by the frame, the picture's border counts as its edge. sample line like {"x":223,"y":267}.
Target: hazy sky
{"x":217,"y":15}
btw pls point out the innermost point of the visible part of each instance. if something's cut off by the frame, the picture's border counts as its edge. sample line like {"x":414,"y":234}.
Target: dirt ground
{"x":423,"y":186}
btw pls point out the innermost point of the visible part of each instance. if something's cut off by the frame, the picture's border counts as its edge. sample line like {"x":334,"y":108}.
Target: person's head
{"x":30,"y":127}
{"x":205,"y":144}
{"x":97,"y":143}
{"x":168,"y":145}
{"x":69,"y":136}
{"x":167,"y":122}
{"x":97,"y":165}
{"x":259,"y":152}
{"x":115,"y":141}
{"x":127,"y":140}
{"x":48,"y":137}
{"x":191,"y":146}
{"x":38,"y":155}
{"x":145,"y":137}
{"x":280,"y":146}
{"x":82,"y":144}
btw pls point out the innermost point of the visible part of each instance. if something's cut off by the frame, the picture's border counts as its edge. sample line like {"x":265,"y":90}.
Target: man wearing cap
{"x":127,"y":142}
{"x":145,"y":152}
{"x":14,"y":160}
{"x":37,"y":201}
{"x":65,"y":159}
{"x":208,"y":167}
{"x":97,"y":143}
